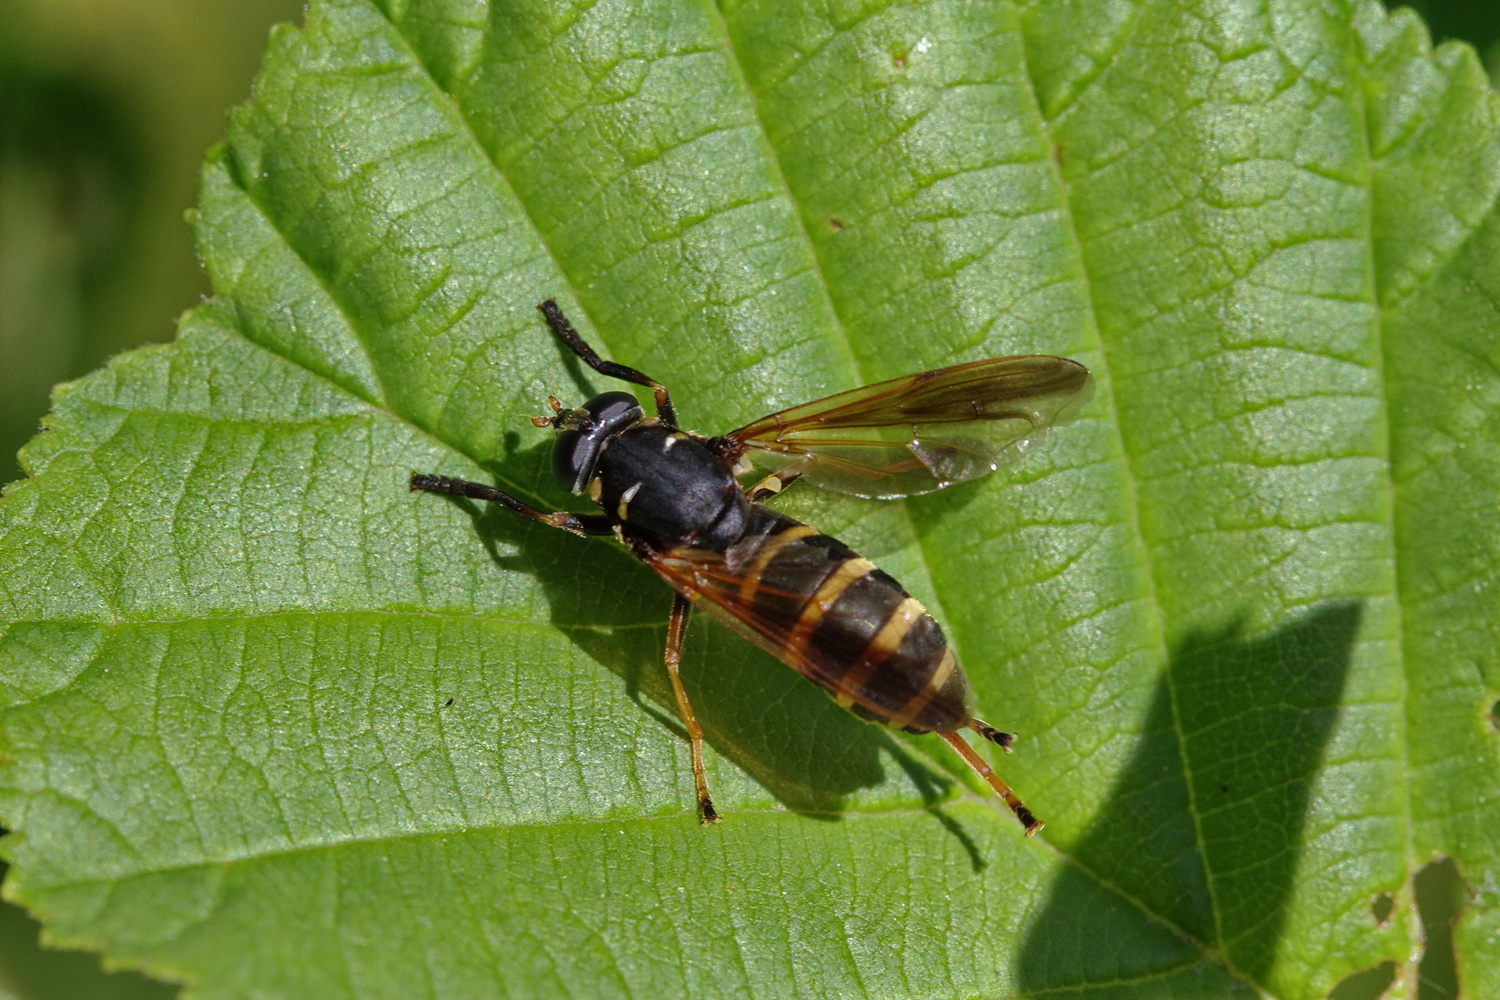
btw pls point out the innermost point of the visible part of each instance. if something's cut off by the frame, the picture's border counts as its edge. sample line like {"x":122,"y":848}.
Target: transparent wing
{"x":922,"y":432}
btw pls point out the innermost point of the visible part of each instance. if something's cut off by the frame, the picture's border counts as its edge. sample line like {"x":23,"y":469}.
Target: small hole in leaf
{"x":1441,"y":895}
{"x":1382,"y":906}
{"x":1367,"y":984}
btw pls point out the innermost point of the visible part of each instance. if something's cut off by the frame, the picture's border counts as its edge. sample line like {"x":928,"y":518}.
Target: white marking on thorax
{"x":625,"y":498}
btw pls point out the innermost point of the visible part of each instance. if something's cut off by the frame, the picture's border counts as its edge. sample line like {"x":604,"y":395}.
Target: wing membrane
{"x":922,"y":432}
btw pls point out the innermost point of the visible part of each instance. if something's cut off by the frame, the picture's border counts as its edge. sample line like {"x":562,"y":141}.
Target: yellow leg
{"x":1030,"y":822}
{"x":676,"y":629}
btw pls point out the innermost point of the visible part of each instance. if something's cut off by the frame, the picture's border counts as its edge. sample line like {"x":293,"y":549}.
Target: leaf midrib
{"x":1377,"y":322}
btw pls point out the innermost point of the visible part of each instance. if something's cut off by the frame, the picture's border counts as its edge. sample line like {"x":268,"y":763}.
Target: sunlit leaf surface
{"x":276,"y":726}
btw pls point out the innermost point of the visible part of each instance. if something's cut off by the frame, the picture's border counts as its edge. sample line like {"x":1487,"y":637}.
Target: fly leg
{"x":957,"y":742}
{"x":992,"y":734}
{"x":565,"y":332}
{"x":676,"y":629}
{"x":578,"y":524}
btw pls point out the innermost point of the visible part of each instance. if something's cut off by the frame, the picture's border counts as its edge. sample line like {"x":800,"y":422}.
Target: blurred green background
{"x":106,"y":108}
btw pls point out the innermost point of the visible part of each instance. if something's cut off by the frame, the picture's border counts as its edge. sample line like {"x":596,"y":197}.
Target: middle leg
{"x":676,"y":629}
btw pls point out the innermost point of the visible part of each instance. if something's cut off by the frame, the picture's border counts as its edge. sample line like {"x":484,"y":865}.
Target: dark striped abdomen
{"x":846,"y":625}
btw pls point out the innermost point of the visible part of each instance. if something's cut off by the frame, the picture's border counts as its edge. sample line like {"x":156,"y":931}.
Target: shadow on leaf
{"x":1203,"y":828}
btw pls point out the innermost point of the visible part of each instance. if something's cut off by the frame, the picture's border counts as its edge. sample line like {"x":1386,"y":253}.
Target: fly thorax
{"x":668,"y":488}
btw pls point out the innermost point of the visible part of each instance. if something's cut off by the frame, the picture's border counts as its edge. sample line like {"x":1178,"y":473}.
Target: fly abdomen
{"x":849,"y":627}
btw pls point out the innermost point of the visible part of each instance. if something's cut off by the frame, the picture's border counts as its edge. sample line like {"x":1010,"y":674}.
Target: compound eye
{"x":576,"y":451}
{"x":612,"y":410}
{"x":574,"y":454}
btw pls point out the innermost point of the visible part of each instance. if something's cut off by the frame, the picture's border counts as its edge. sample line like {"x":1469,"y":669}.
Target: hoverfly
{"x":674,"y":499}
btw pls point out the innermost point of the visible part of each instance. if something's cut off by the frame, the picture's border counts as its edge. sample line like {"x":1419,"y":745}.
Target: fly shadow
{"x":785,"y":733}
{"x":1242,"y":747}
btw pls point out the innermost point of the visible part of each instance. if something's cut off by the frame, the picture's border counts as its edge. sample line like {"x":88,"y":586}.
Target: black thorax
{"x":667,"y":489}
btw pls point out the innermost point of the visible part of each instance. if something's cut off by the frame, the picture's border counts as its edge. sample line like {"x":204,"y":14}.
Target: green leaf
{"x":276,"y":726}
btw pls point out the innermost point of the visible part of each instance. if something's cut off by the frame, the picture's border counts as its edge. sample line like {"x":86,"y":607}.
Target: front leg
{"x":569,"y":336}
{"x":578,"y":524}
